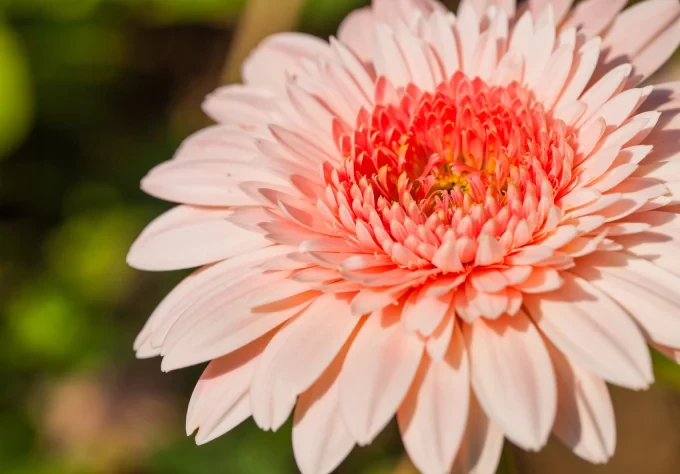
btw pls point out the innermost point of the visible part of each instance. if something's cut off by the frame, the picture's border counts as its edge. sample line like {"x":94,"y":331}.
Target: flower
{"x":464,"y":220}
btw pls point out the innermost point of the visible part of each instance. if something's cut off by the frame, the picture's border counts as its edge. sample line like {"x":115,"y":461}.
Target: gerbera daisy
{"x":464,"y":220}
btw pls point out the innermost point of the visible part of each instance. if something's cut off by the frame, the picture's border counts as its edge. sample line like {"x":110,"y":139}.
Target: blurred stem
{"x":260,"y":19}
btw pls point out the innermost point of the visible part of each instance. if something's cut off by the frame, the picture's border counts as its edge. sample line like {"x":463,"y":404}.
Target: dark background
{"x":93,"y":93}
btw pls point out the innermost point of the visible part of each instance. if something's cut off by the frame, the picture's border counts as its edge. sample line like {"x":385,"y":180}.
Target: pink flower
{"x":466,"y":221}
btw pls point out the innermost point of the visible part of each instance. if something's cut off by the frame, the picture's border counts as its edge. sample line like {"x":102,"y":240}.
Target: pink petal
{"x":555,"y":75}
{"x":603,"y":90}
{"x":209,"y":334}
{"x":205,"y":182}
{"x":142,"y":345}
{"x":447,"y":257}
{"x":223,"y":275}
{"x":489,"y":251}
{"x":297,"y":356}
{"x":352,"y":64}
{"x":280,"y":53}
{"x":468,"y":33}
{"x":377,"y":374}
{"x":510,"y":69}
{"x":480,"y":451}
{"x":560,"y":237}
{"x":369,"y":300}
{"x":423,"y":312}
{"x":489,"y":281}
{"x":541,"y":46}
{"x":187,"y":237}
{"x":490,"y":305}
{"x":658,"y":24}
{"x":570,"y":112}
{"x":530,"y":255}
{"x":355,"y":32}
{"x":588,"y":137}
{"x":320,"y":438}
{"x":644,"y":290}
{"x":239,"y":105}
{"x":445,"y":43}
{"x":432,"y":417}
{"x":593,"y":332}
{"x":414,"y":51}
{"x":585,"y":417}
{"x":219,"y":142}
{"x":593,"y":16}
{"x":513,"y":378}
{"x":388,"y":59}
{"x":560,"y":7}
{"x":220,"y":402}
{"x":542,"y":280}
{"x":620,"y":107}
{"x":481,"y":6}
{"x":438,"y":342}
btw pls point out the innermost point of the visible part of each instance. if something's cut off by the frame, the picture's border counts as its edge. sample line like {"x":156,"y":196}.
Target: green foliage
{"x":192,"y":10}
{"x":16,"y":92}
{"x":86,"y":253}
{"x":666,"y":371}
{"x":45,"y":324}
{"x":321,"y":16}
{"x":244,"y":450}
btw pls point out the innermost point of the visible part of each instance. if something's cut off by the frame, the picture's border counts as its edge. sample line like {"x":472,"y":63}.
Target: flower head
{"x":464,"y":220}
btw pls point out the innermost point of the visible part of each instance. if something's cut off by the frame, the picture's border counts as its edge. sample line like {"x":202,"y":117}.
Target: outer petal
{"x":658,"y":25}
{"x":560,"y":7}
{"x":225,"y":324}
{"x":377,"y":374}
{"x":433,"y":416}
{"x":513,"y":377}
{"x":194,"y":288}
{"x":482,"y":445}
{"x":593,"y":16}
{"x":282,"y":53}
{"x":240,"y":105}
{"x":320,"y":438}
{"x":647,"y":292}
{"x":187,"y":237}
{"x":585,"y":417}
{"x":220,"y":401}
{"x":297,"y":356}
{"x":355,"y":32}
{"x":423,"y":312}
{"x":206,"y":182}
{"x":593,"y":332}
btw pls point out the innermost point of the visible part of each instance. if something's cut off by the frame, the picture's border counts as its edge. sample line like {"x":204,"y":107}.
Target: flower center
{"x":466,"y":139}
{"x":468,"y":159}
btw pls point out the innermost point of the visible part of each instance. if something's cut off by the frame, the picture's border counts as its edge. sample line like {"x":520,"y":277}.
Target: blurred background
{"x":93,"y":93}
